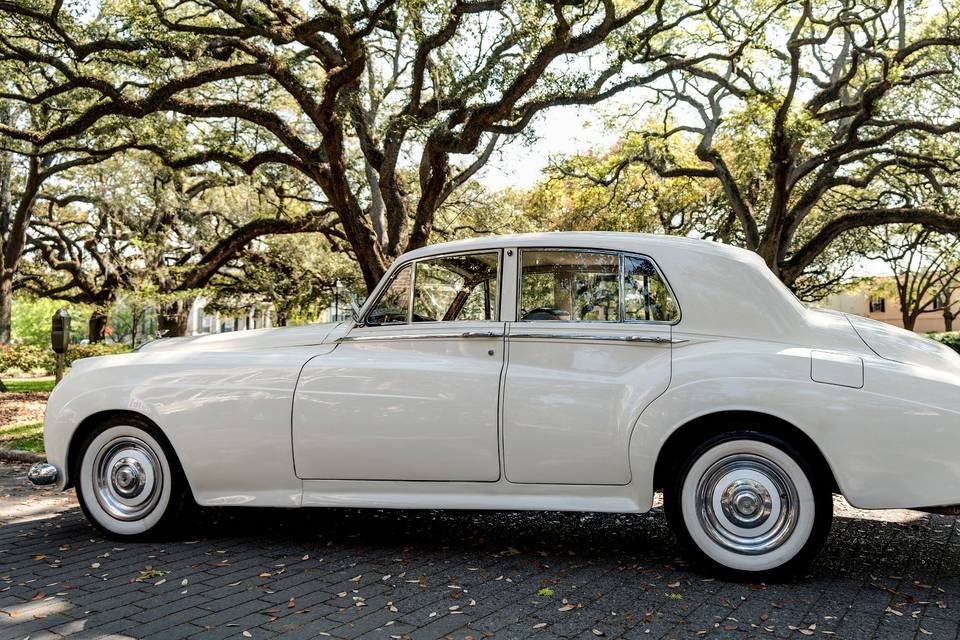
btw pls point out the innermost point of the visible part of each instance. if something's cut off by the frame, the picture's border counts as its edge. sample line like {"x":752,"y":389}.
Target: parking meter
{"x":60,"y":338}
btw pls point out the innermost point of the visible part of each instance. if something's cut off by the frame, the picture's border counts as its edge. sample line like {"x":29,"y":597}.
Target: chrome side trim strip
{"x":598,"y":337}
{"x":423,"y":336}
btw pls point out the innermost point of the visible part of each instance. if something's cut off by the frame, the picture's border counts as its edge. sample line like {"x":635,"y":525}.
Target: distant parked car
{"x":574,"y":371}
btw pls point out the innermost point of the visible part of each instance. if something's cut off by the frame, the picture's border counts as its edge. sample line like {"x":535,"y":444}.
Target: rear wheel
{"x":128,"y":483}
{"x":749,"y":505}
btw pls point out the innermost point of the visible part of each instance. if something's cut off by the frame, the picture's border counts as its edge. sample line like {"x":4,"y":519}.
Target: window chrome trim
{"x":618,"y":252}
{"x":594,"y":336}
{"x":446,"y":335}
{"x":396,"y":268}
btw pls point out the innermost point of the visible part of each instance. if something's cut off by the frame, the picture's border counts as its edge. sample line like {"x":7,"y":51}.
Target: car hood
{"x":251,"y":340}
{"x":893,"y":343}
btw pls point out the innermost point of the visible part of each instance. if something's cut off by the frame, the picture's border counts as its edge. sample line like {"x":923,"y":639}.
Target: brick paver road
{"x":425,"y":574}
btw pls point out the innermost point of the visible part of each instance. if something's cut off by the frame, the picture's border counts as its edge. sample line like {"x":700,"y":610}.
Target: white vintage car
{"x":565,"y":371}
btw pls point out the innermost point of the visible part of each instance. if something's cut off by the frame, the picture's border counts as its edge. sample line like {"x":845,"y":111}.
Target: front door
{"x":590,"y":349}
{"x":414,"y":394}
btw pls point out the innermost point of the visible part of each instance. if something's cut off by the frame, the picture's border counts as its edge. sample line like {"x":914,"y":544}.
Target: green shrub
{"x":951,"y":339}
{"x":16,"y":359}
{"x":77,"y":351}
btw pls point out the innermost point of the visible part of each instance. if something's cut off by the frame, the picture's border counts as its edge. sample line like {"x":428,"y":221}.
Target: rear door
{"x":590,"y":348}
{"x":413,"y":395}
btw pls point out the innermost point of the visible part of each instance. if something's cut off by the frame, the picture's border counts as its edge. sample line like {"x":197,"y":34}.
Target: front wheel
{"x":749,"y":505}
{"x":128,"y":484}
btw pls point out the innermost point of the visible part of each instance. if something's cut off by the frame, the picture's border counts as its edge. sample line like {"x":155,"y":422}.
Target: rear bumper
{"x":43,"y":473}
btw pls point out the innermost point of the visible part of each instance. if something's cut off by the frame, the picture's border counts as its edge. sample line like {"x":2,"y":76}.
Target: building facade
{"x":886,"y":308}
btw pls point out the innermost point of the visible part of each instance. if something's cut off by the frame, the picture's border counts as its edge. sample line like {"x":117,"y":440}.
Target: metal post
{"x":336,"y":300}
{"x":60,"y":339}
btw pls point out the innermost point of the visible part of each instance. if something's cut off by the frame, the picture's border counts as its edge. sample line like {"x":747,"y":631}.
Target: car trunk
{"x":900,"y":345}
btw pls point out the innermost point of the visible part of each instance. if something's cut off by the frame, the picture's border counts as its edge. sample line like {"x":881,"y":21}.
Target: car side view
{"x":562,"y":371}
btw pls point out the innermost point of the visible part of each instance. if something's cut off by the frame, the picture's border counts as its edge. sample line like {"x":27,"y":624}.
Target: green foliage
{"x":600,"y":190}
{"x":30,"y":320}
{"x":78,"y":351}
{"x":951,"y":339}
{"x":23,"y":437}
{"x":20,"y":359}
{"x":21,"y":386}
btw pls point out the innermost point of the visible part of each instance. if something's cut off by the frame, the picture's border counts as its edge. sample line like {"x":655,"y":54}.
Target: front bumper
{"x":43,"y":473}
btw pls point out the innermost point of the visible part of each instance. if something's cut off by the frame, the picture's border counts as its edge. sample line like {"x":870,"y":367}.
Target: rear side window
{"x":645,"y":295}
{"x":592,"y":286}
{"x":569,"y":286}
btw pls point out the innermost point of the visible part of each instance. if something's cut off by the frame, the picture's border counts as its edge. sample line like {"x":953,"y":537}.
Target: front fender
{"x":226,"y":414}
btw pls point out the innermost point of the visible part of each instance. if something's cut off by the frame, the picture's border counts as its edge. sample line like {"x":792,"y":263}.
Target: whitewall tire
{"x":749,"y":505}
{"x":128,"y":483}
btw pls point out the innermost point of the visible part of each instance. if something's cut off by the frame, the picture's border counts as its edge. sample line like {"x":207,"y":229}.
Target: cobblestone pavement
{"x":346,"y":573}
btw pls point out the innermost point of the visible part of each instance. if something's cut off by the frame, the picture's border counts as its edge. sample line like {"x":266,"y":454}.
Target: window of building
{"x":877,"y":304}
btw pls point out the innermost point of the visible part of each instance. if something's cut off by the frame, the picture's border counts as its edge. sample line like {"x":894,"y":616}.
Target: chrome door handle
{"x":648,"y":339}
{"x":481,"y":334}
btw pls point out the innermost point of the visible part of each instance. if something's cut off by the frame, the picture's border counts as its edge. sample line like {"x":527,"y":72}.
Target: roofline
{"x":622,"y":240}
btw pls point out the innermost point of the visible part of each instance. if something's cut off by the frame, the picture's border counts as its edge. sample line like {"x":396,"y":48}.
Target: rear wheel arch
{"x":687,"y":437}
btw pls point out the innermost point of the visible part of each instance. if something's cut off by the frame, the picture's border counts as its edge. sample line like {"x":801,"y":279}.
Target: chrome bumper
{"x":42,"y":473}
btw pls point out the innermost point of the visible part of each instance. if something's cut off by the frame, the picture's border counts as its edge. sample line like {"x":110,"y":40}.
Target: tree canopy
{"x":168,"y":149}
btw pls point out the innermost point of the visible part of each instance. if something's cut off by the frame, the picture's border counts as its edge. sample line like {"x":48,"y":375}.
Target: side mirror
{"x":355,"y":311}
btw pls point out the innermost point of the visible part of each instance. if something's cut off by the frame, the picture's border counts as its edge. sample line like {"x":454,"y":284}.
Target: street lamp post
{"x":336,"y":300}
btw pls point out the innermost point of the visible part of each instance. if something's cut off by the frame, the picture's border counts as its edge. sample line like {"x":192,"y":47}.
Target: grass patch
{"x":30,"y":384}
{"x":26,"y":437}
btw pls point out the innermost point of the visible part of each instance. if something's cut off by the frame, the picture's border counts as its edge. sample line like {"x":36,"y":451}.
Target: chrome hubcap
{"x":747,"y":504}
{"x":128,"y":478}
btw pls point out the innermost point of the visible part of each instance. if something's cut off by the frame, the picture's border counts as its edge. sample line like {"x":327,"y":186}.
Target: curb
{"x":15,"y":455}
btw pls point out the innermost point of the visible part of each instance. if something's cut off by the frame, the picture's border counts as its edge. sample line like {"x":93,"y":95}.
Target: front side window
{"x":450,"y":288}
{"x":394,"y":303}
{"x":454,"y":288}
{"x":569,"y":285}
{"x":589,"y":286}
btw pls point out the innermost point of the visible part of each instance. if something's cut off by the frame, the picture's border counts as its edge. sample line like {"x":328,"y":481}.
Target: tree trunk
{"x":6,"y":306}
{"x":947,"y":319}
{"x":909,"y":322}
{"x":97,"y":327}
{"x":172,"y":318}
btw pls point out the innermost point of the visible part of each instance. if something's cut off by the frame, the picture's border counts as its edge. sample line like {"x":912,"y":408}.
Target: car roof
{"x":613,"y":240}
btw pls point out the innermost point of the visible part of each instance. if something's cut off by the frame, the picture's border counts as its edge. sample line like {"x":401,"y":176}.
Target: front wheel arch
{"x":689,"y":436}
{"x":95,"y":420}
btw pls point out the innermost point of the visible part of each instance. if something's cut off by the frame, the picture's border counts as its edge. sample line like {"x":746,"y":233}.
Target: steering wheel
{"x":543,"y":313}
